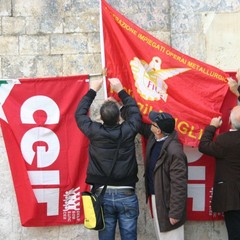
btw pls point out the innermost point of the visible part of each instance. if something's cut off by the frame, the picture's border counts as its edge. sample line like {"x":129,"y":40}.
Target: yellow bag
{"x":92,"y":203}
{"x":93,"y":211}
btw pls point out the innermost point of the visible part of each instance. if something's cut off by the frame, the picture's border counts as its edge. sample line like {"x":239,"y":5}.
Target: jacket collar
{"x":168,"y":140}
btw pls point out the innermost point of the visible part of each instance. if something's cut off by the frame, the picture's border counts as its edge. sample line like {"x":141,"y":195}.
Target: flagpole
{"x":5,"y":79}
{"x":103,"y":73}
{"x":102,"y":50}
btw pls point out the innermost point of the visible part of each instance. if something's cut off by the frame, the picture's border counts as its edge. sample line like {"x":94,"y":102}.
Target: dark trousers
{"x":232,"y":221}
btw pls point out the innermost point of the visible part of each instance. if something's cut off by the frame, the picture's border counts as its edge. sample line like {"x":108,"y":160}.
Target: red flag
{"x":164,"y":79}
{"x":160,"y":77}
{"x":46,"y":151}
{"x":201,"y":169}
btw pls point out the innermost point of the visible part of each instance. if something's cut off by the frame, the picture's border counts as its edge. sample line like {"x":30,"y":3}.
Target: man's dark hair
{"x":109,"y":112}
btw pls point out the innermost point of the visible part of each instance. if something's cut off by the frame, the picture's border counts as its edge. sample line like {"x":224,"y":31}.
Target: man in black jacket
{"x":120,"y":201}
{"x":226,"y":150}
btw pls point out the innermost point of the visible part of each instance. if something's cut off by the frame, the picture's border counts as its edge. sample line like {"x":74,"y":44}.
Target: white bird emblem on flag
{"x":150,"y":78}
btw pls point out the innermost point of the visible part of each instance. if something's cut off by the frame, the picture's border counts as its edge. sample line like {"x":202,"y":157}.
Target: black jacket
{"x":226,"y":150}
{"x":104,"y":140}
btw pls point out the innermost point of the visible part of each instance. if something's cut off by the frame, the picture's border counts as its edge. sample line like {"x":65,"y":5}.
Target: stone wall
{"x":54,"y":38}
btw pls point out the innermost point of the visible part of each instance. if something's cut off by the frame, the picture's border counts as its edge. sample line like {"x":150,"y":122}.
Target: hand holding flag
{"x":96,"y":84}
{"x":116,"y":85}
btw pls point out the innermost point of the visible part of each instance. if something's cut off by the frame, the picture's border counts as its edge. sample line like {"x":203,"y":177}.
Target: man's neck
{"x":160,"y":137}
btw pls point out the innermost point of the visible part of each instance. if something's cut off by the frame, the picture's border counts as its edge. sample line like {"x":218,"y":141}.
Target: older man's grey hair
{"x":235,"y":117}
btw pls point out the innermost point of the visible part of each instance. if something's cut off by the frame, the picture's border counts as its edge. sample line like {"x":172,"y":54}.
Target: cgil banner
{"x":46,"y":151}
{"x":163,"y":79}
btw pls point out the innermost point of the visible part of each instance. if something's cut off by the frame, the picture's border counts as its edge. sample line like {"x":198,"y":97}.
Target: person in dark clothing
{"x":166,"y":175}
{"x":120,"y":200}
{"x":226,"y":189}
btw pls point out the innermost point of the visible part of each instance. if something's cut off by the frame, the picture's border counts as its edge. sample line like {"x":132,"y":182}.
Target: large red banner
{"x":160,"y":77}
{"x":163,"y":79}
{"x":46,"y":151}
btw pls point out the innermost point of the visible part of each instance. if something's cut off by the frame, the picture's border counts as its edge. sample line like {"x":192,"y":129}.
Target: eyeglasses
{"x":154,"y":125}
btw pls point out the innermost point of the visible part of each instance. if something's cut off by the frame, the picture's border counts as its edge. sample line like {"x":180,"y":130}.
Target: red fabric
{"x":150,"y":71}
{"x":160,"y":77}
{"x":46,"y":150}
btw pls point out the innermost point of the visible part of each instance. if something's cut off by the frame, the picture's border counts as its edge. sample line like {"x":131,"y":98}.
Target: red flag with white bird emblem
{"x":161,"y":78}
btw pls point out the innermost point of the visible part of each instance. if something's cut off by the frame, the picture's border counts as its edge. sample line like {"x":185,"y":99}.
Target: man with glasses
{"x":165,"y":176}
